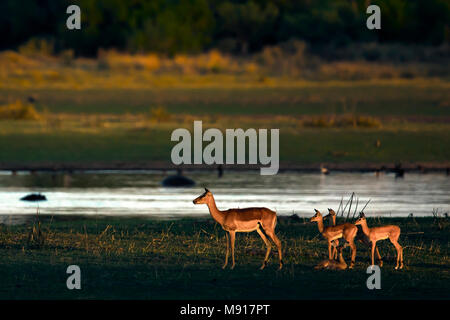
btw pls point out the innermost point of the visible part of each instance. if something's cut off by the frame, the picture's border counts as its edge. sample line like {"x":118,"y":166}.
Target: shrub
{"x":67,"y":57}
{"x":160,"y":114}
{"x":19,"y":111}
{"x":111,"y":59}
{"x":37,"y":47}
{"x":369,"y":122}
{"x":344,"y":121}
{"x":319,"y":122}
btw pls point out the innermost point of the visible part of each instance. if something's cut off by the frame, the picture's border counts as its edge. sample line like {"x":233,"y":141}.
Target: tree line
{"x":235,"y":26}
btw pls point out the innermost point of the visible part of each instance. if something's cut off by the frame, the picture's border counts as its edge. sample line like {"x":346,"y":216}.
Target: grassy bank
{"x":141,"y":258}
{"x":385,"y":97}
{"x":306,"y":146}
{"x":122,"y":108}
{"x":352,"y":122}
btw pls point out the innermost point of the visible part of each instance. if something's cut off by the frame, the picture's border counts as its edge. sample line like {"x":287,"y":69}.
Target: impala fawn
{"x":390,"y":232}
{"x":333,"y":264}
{"x":243,"y":220}
{"x":346,"y":231}
{"x":360,"y":236}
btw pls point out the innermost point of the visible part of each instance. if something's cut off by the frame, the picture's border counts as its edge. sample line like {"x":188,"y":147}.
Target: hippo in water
{"x":34,"y":197}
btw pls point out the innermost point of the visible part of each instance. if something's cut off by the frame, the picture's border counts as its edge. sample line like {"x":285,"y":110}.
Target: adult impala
{"x":243,"y":220}
{"x":335,"y":243}
{"x":346,"y":231}
{"x":360,"y":236}
{"x":390,"y":232}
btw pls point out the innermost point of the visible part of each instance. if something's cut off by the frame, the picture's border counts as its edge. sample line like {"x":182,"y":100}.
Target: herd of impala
{"x":264,"y":220}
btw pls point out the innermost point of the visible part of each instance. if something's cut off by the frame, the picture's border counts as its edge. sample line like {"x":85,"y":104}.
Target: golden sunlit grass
{"x":161,"y":119}
{"x":124,"y":61}
{"x":123,"y":107}
{"x":343,"y":121}
{"x":270,"y":68}
{"x":160,"y":114}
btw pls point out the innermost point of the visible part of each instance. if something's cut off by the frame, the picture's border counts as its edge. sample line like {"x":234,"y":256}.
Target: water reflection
{"x":141,"y":192}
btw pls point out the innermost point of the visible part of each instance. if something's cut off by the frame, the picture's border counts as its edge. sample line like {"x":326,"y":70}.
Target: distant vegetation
{"x":137,"y":70}
{"x":160,"y":114}
{"x":232,"y":26}
{"x":342,"y":121}
{"x":284,"y":65}
{"x":18,"y":111}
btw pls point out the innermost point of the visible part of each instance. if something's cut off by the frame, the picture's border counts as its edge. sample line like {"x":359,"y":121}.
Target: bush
{"x":344,"y":121}
{"x":37,"y":47}
{"x":319,"y":122}
{"x":19,"y":111}
{"x":369,"y":122}
{"x":160,"y":114}
{"x":67,"y":57}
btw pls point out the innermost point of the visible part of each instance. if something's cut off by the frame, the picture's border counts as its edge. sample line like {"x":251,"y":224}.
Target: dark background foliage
{"x":236,"y":26}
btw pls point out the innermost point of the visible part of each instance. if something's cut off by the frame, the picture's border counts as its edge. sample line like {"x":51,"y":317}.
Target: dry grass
{"x":124,"y":61}
{"x":162,"y":119}
{"x":343,"y":121}
{"x":160,"y":114}
{"x":35,"y":67}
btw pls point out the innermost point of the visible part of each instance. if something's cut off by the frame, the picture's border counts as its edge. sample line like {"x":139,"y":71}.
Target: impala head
{"x":361,"y":219}
{"x":204,"y":198}
{"x":331,"y":213}
{"x":317,"y":216}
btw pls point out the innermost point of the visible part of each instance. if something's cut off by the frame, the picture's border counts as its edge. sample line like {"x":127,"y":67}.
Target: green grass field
{"x":377,"y":98}
{"x":141,"y":258}
{"x":307,"y":146}
{"x":104,"y":125}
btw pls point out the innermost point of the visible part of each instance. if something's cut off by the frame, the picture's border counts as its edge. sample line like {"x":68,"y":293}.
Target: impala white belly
{"x":338,"y":236}
{"x":246,"y":230}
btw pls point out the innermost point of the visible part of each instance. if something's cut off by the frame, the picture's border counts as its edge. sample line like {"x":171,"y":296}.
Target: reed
{"x":36,"y":236}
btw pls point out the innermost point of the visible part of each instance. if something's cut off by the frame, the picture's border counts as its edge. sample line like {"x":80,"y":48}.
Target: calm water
{"x":124,"y":193}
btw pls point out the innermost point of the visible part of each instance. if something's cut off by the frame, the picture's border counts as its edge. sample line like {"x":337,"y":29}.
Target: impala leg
{"x":330,"y":254}
{"x":374,"y":244}
{"x":401,"y":257}
{"x":399,"y":249}
{"x":353,"y":247}
{"x":335,"y":252}
{"x":379,"y":256}
{"x":267,"y":242}
{"x":232,"y":239}
{"x":277,"y":241}
{"x":228,"y":250}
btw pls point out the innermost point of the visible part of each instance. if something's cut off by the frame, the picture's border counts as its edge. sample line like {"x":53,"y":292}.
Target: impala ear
{"x":316,"y":210}
{"x":206,"y":190}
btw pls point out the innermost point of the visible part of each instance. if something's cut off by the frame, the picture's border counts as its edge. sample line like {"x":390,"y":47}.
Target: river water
{"x":141,"y":193}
